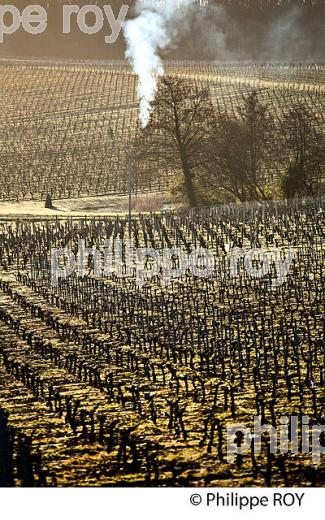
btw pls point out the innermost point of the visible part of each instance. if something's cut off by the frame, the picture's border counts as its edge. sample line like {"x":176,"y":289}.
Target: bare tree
{"x":226,"y":167}
{"x":258,"y":127}
{"x":303,"y":142}
{"x":239,"y":151}
{"x":177,"y":134}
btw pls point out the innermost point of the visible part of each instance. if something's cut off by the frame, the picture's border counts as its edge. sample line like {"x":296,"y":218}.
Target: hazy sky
{"x":293,"y":33}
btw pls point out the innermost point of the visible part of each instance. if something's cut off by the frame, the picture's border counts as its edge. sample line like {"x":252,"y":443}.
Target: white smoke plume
{"x":154,"y":29}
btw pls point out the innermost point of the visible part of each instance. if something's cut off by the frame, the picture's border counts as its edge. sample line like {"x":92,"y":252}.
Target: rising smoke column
{"x":154,"y":29}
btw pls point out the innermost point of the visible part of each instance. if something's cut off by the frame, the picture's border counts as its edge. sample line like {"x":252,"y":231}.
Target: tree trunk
{"x":190,"y":191}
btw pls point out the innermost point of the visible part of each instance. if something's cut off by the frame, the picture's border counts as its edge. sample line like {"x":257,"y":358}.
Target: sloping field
{"x":66,"y":129}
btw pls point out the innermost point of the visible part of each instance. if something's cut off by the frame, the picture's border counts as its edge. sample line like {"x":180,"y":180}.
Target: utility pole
{"x":130,"y":179}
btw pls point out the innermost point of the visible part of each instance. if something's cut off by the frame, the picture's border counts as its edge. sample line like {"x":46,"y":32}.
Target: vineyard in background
{"x":66,"y":129}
